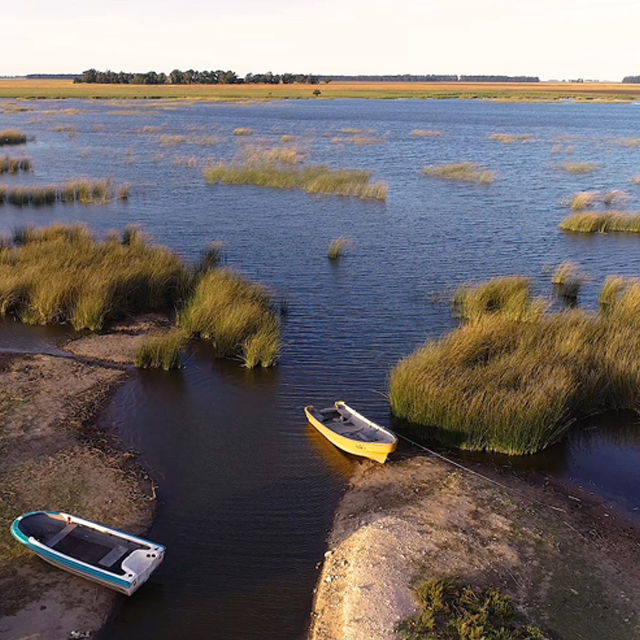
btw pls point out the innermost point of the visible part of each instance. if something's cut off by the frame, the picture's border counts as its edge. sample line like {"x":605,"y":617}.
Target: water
{"x":246,"y":489}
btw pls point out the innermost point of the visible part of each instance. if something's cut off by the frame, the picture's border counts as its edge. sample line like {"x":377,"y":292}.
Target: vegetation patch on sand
{"x":461,"y":171}
{"x":12,"y":137}
{"x":514,"y":377}
{"x":604,"y":222}
{"x":452,"y":611}
{"x":571,"y":566}
{"x":312,"y":179}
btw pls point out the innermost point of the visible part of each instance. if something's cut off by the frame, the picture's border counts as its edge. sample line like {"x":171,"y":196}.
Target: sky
{"x":552,"y":39}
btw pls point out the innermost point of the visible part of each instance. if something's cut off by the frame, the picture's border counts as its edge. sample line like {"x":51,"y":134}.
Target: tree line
{"x":433,"y":78}
{"x":92,"y":76}
{"x":631,"y":79}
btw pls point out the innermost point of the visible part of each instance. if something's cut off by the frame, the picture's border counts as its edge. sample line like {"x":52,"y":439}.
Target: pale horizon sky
{"x":552,"y":39}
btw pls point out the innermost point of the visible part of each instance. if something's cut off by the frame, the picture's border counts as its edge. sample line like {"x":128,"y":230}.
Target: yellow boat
{"x":352,"y":432}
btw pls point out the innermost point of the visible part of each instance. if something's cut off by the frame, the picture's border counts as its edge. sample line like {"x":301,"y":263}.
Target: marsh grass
{"x":161,"y":350}
{"x":267,"y":156}
{"x":243,"y":131}
{"x":462,"y":172}
{"x":606,"y":222}
{"x":628,"y":142}
{"x":516,"y":385}
{"x":211,"y":257}
{"x":578,"y":167}
{"x":510,"y":138}
{"x":583,"y":200}
{"x":448,"y":610}
{"x":357,"y":139}
{"x":235,"y":315}
{"x":509,"y":297}
{"x":12,"y":137}
{"x":82,"y":191}
{"x":338,"y":248}
{"x":568,"y":279}
{"x":14,"y":165}
{"x":312,"y":179}
{"x":426,"y":133}
{"x":168,"y":140}
{"x":635,"y":179}
{"x":62,"y":274}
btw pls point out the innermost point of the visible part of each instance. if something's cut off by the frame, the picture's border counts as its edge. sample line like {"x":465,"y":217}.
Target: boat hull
{"x":377,"y":451}
{"x":131,"y":573}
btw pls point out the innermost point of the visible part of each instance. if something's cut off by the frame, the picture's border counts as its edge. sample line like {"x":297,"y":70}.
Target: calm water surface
{"x":247,"y":490}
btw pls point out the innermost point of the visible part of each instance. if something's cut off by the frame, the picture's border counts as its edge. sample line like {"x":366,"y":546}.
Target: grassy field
{"x":25,"y":88}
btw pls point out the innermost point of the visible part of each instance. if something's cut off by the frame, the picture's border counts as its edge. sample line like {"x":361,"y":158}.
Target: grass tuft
{"x":607,"y":222}
{"x":312,"y":179}
{"x":243,"y":131}
{"x":12,"y":137}
{"x":82,"y":191}
{"x":426,"y":133}
{"x":568,"y":280}
{"x":161,"y":350}
{"x":337,"y":248}
{"x":461,"y":171}
{"x":235,"y":315}
{"x":578,"y":167}
{"x":14,"y":165}
{"x":510,"y":138}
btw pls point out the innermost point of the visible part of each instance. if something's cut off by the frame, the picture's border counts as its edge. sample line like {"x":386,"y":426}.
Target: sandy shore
{"x":570,"y":564}
{"x":53,"y":457}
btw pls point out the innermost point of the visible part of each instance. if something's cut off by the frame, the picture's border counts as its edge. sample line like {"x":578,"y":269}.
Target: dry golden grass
{"x":426,"y":133}
{"x":461,"y":172}
{"x":24,"y":88}
{"x":578,"y":167}
{"x":628,"y":142}
{"x":510,"y":138}
{"x":606,"y":222}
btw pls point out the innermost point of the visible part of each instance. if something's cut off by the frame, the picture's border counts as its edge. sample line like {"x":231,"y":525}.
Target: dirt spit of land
{"x":571,"y":565}
{"x":52,"y":456}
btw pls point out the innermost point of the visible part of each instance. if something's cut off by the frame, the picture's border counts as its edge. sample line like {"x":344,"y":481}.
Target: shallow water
{"x":247,"y":489}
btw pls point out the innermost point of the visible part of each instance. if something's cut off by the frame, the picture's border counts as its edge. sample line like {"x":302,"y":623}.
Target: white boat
{"x":107,"y":556}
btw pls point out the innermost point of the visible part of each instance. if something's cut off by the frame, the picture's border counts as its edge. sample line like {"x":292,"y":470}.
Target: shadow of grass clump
{"x":512,"y":380}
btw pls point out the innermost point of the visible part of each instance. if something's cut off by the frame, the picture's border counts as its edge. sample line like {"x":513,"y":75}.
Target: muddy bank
{"x":571,"y":566}
{"x":53,"y":457}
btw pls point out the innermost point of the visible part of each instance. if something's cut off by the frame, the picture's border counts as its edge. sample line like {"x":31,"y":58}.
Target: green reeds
{"x":82,"y":191}
{"x":507,"y":296}
{"x":461,"y":171}
{"x":235,"y":315}
{"x":312,"y":179}
{"x":63,"y":274}
{"x":607,"y":222}
{"x":578,"y":167}
{"x":338,"y":248}
{"x":11,"y":136}
{"x":515,"y":385}
{"x":161,"y":350}
{"x":211,"y":257}
{"x":14,"y":165}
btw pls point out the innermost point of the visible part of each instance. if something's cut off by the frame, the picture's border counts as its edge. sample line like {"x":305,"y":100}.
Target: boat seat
{"x":63,"y":533}
{"x":113,"y":556}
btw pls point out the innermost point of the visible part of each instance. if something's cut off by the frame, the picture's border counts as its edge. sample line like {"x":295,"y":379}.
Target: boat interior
{"x":99,"y":549}
{"x":345,"y":424}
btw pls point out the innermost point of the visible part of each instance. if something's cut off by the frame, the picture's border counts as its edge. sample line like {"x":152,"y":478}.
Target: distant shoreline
{"x":25,"y":89}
